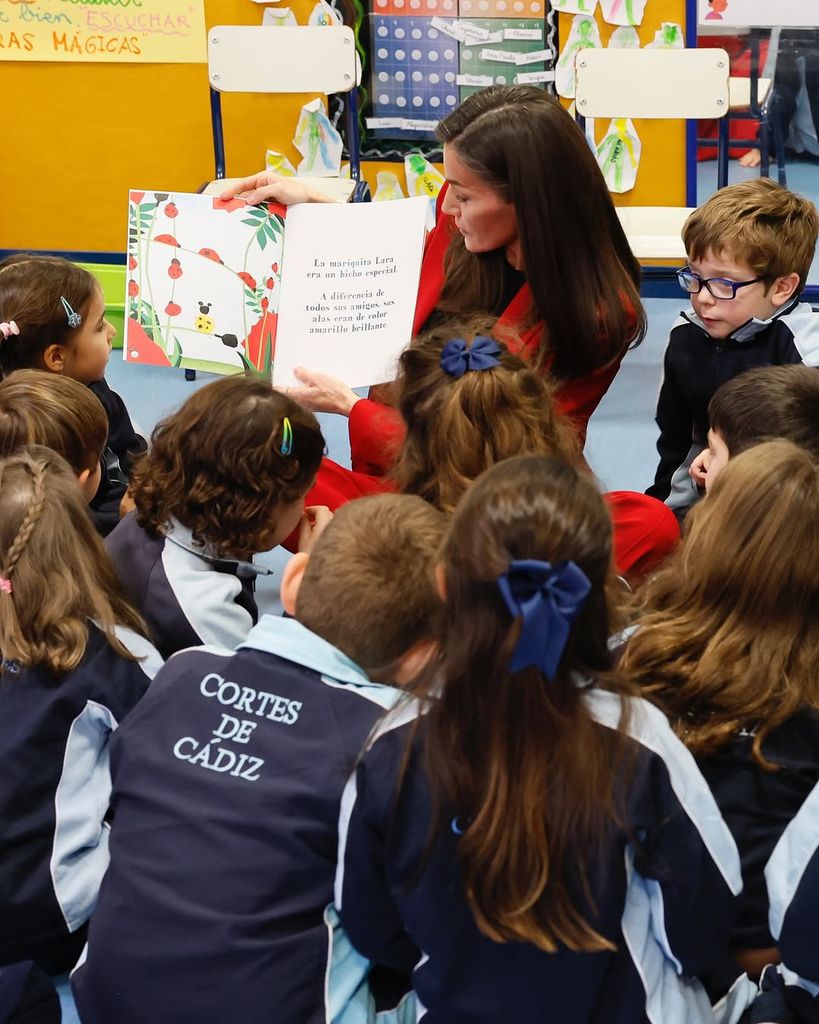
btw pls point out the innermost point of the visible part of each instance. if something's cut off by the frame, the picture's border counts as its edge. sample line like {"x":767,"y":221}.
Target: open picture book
{"x":224,"y":287}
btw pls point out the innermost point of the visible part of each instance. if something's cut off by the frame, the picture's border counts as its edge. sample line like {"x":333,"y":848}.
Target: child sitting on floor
{"x":58,"y":413}
{"x":527,"y":837}
{"x":225,"y":479}
{"x":53,"y":318}
{"x":750,"y":248}
{"x":728,"y":645}
{"x":467,"y":403}
{"x":227,"y":785}
{"x":74,"y":663}
{"x":759,"y":405}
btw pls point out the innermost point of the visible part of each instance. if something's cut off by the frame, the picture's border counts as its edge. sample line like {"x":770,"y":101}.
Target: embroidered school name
{"x":213,"y":754}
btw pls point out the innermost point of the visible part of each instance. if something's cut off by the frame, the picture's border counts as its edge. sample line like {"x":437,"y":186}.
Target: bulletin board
{"x":78,"y":136}
{"x":661,"y":177}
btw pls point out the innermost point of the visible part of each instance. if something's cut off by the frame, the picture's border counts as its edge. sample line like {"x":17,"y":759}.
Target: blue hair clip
{"x":74,"y":319}
{"x":287,"y":437}
{"x":457,"y":357}
{"x":548,"y":598}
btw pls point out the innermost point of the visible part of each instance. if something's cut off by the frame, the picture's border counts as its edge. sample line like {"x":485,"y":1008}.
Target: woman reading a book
{"x":526,"y":233}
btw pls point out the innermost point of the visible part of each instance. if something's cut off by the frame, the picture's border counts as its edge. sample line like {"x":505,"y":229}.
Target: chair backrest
{"x":658,"y":83}
{"x":255,"y":58}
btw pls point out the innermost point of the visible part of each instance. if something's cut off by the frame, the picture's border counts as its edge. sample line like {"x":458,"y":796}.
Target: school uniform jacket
{"x":695,"y":365}
{"x":666,"y":893}
{"x":124,"y":443}
{"x":227,"y":784}
{"x":759,"y":805}
{"x":54,"y":787}
{"x":790,"y":991}
{"x":187,"y":596}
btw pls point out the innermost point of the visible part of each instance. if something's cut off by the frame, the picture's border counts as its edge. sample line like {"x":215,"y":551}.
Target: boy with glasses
{"x":750,"y":248}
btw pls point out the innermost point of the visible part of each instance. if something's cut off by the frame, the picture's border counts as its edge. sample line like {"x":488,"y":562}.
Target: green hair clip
{"x":287,"y":437}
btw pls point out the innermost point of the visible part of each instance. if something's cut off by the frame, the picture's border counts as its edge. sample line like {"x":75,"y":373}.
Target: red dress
{"x":645,"y":530}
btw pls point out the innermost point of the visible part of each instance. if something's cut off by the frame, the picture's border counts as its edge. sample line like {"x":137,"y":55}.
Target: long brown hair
{"x":459,"y":426}
{"x":31,"y":290}
{"x":56,"y":574}
{"x":584,"y":278}
{"x":517,"y":756}
{"x":219,"y":465}
{"x":730,"y":633}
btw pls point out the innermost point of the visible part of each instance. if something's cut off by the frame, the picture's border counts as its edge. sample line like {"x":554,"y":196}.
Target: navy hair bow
{"x":548,"y":598}
{"x":457,"y":357}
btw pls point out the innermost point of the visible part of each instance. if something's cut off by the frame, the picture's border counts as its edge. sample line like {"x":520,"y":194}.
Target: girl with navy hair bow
{"x":523,"y":834}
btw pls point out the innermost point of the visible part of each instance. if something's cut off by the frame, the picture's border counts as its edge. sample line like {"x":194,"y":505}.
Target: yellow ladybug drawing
{"x":203,"y":321}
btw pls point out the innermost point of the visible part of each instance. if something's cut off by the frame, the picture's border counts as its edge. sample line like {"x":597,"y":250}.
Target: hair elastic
{"x":5,"y":585}
{"x":457,"y":357}
{"x":7,"y":329}
{"x":74,"y":319}
{"x":548,"y":598}
{"x":287,"y":437}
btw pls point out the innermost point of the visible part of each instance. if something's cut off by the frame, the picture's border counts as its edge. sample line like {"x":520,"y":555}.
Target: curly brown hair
{"x":217,"y":466}
{"x":459,"y":426}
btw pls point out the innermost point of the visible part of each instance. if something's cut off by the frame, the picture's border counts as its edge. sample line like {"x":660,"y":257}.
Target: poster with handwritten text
{"x":141,"y":31}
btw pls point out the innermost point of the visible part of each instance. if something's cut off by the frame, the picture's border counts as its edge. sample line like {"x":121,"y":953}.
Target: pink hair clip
{"x":9,"y":328}
{"x":5,"y":585}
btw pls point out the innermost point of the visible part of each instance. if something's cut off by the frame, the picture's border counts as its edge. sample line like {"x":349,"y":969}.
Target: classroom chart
{"x":154,"y":31}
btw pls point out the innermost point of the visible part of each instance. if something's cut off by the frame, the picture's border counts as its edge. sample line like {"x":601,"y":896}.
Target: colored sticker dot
{"x":382,"y":31}
{"x":383,"y":76}
{"x":452,"y":100}
{"x":399,"y":33}
{"x":415,"y":4}
{"x":449,"y":55}
{"x":401,"y":101}
{"x":400,"y":55}
{"x":383,"y":98}
{"x":416,"y":54}
{"x":417,"y":76}
{"x":417,"y":101}
{"x":500,"y":80}
{"x":433,"y":55}
{"x":449,"y":77}
{"x":416,"y":33}
{"x":383,"y":53}
{"x":434,"y":101}
{"x":434,"y":79}
{"x":467,"y":55}
{"x":400,"y":76}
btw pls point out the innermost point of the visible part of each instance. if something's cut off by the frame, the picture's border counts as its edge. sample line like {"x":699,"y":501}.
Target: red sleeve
{"x":578,"y":398}
{"x":645,"y":532}
{"x":376,"y":435}
{"x":334,"y":487}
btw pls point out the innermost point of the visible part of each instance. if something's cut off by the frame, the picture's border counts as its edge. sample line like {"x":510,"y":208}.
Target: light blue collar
{"x":750,"y":328}
{"x":180,"y":535}
{"x":287,"y":638}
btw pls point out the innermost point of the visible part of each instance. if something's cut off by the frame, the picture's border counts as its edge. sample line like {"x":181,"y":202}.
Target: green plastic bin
{"x":112,"y":280}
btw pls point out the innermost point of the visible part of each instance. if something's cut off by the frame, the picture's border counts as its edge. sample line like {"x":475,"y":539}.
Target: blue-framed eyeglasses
{"x":719,"y":287}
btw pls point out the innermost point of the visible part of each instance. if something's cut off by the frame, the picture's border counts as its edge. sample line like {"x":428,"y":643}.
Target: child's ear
{"x":291,"y":581}
{"x":784,"y":288}
{"x":54,"y":359}
{"x":414,"y":661}
{"x":440,"y":581}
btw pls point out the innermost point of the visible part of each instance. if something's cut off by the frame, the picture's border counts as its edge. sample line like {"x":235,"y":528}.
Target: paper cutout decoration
{"x":574,"y":6}
{"x":624,"y":38}
{"x":226,"y":287}
{"x":623,"y":12}
{"x":387,"y":186}
{"x":278,"y":162}
{"x":318,"y":142}
{"x":668,"y":36}
{"x":422,"y":178}
{"x":584,"y":35}
{"x":324,"y":14}
{"x":619,"y":155}
{"x":284,"y":16}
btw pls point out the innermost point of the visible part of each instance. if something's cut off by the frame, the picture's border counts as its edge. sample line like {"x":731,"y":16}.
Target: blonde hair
{"x":730,"y":633}
{"x":770,"y":228}
{"x":369,"y":588}
{"x":56,"y":574}
{"x":58,"y":412}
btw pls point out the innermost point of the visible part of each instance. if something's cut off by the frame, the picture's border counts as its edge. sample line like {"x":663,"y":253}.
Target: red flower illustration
{"x":210,"y":254}
{"x":133,"y":288}
{"x":173,"y":309}
{"x":248,"y":279}
{"x":175,"y":269}
{"x":171,"y":210}
{"x":167,"y":240}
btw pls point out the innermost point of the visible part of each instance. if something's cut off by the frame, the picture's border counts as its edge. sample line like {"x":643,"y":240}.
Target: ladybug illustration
{"x":204,"y":321}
